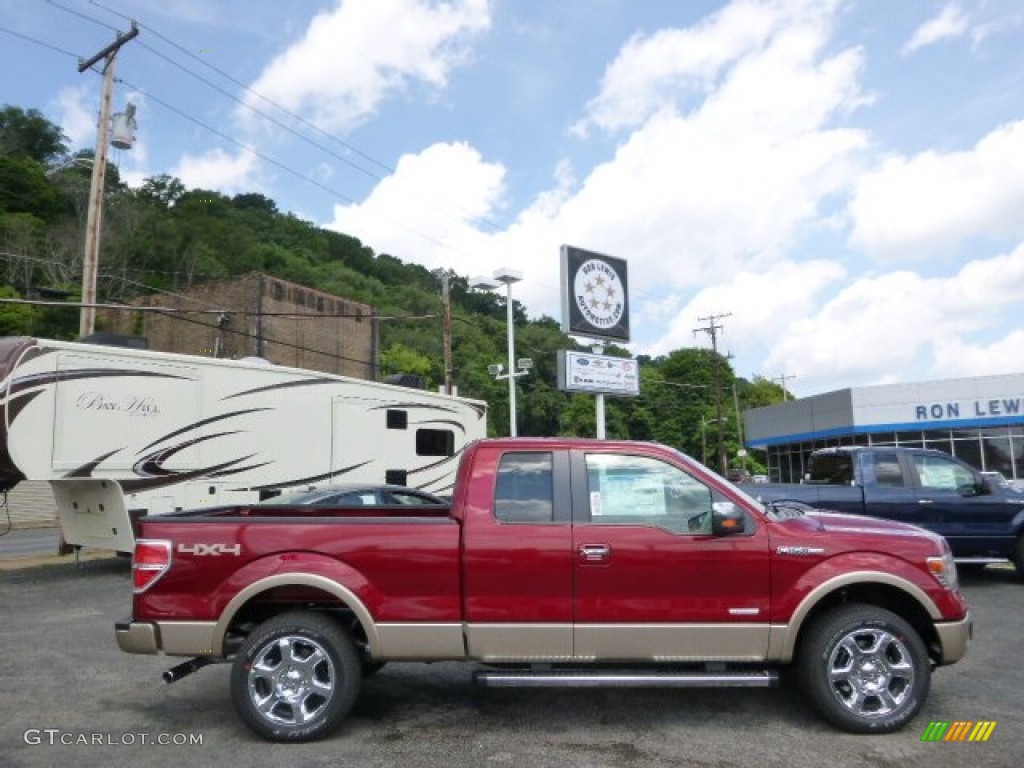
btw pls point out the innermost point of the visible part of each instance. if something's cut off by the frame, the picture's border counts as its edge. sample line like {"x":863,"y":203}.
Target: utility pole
{"x":447,"y":303}
{"x":782,"y":379}
{"x":712,"y":329}
{"x":87,"y":321}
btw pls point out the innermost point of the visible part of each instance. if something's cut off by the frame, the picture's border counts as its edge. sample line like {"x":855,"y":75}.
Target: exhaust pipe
{"x":186,"y":668}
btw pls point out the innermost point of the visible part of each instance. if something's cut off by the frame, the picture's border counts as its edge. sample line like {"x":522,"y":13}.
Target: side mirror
{"x":727,"y":519}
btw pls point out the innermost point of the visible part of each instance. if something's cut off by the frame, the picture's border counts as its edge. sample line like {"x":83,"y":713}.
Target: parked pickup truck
{"x":983,"y":521}
{"x":560,"y":562}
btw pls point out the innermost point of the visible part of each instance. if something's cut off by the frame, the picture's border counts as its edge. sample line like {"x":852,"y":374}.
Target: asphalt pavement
{"x":69,"y":696}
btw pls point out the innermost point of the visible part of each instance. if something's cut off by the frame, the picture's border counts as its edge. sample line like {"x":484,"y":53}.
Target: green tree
{"x":27,"y":133}
{"x":15,"y":319}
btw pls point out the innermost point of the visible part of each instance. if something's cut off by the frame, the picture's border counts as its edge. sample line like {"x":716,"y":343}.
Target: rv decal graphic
{"x":86,"y":469}
{"x":413,"y":406}
{"x":310,"y":479}
{"x":151,"y":465}
{"x":286,"y":385}
{"x":51,"y":377}
{"x":97,"y":401}
{"x":150,"y":483}
{"x":450,"y":422}
{"x":203,"y":423}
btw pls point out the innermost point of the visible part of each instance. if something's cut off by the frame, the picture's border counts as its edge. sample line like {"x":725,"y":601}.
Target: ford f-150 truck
{"x":982,"y":521}
{"x":559,"y":562}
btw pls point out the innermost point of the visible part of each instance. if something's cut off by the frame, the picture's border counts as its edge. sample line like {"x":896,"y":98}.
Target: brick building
{"x":263,"y":316}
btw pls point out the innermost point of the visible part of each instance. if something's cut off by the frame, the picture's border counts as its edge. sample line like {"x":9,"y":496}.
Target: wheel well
{"x":884,"y":596}
{"x":278,"y":600}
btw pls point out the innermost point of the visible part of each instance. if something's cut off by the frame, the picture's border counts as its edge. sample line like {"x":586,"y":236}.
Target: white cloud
{"x":900,"y":321}
{"x":958,"y":356}
{"x":951,"y":23}
{"x":77,"y":116}
{"x":763,"y":305}
{"x":929,"y":204}
{"x":688,"y":200}
{"x":428,"y":207}
{"x":655,"y":73}
{"x":363,"y":51}
{"x":219,"y":170}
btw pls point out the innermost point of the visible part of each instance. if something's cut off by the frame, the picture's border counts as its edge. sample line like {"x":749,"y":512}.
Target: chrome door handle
{"x":925,"y":501}
{"x":594,"y":552}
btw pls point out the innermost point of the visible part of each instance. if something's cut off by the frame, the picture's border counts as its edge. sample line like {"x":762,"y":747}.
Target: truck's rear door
{"x":652,"y":582}
{"x":517,"y":556}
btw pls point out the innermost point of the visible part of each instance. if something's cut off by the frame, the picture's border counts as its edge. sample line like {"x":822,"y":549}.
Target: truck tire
{"x":295,"y":677}
{"x":864,"y":669}
{"x":1018,"y":556}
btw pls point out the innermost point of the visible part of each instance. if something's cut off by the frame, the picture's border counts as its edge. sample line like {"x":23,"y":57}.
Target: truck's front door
{"x":975,"y":520}
{"x":651,"y":581}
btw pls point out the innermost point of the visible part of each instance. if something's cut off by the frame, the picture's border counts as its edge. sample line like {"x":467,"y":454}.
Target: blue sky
{"x":846,"y":178}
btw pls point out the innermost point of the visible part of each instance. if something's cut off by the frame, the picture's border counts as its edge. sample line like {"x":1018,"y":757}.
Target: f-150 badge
{"x":801,"y":550}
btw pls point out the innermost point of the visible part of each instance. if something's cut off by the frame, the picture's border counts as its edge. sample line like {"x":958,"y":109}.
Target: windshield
{"x":753,"y":502}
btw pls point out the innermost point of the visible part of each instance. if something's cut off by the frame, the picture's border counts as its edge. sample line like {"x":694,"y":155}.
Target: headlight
{"x":943,"y":569}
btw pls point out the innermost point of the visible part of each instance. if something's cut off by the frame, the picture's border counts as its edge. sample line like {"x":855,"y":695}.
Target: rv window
{"x":395,"y":477}
{"x":435,"y":442}
{"x":398,"y":419}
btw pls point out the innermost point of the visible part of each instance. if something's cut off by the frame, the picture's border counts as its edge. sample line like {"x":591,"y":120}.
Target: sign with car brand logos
{"x":595,"y":295}
{"x":598,"y":374}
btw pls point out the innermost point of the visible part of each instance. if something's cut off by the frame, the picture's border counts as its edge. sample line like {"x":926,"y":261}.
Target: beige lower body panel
{"x":671,"y":642}
{"x":519,"y":642}
{"x":420,"y":642}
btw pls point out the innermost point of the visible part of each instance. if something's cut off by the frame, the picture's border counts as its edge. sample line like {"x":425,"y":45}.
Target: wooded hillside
{"x":164,"y":237}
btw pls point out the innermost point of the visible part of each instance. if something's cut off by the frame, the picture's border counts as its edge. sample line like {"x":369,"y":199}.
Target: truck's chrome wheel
{"x":871,"y":672}
{"x":865,"y":669}
{"x":291,"y":680}
{"x":296,"y":676}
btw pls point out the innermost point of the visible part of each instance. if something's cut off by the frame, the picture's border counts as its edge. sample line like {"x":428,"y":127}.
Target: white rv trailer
{"x":122,"y":432}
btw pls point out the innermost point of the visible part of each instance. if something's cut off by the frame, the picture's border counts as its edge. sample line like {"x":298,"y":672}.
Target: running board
{"x":624,"y":679}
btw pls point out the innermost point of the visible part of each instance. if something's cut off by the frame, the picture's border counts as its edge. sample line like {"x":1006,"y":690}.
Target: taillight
{"x":151,"y":561}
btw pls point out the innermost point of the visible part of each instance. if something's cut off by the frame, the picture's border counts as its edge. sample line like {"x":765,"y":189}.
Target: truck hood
{"x":845,"y":525}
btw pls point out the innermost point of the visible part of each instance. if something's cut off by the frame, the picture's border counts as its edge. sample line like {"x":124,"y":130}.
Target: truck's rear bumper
{"x":954,"y":637}
{"x":174,"y":638}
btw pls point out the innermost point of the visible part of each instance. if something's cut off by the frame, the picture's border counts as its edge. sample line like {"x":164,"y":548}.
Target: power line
{"x":294,"y":116}
{"x":40,"y":42}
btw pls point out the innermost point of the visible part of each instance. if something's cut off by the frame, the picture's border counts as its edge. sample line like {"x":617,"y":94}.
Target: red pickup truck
{"x":559,"y":562}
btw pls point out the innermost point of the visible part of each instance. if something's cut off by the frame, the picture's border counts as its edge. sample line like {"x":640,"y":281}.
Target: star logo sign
{"x":599,"y":294}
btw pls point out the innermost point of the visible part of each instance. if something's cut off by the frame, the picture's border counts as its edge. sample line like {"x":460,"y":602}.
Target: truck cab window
{"x":637,"y":490}
{"x":939,"y":474}
{"x":523,"y":491}
{"x":888,"y":472}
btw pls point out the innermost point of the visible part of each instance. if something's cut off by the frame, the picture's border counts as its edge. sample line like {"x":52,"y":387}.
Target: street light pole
{"x":508,"y":277}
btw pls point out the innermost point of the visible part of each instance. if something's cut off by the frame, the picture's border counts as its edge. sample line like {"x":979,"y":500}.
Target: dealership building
{"x":978,"y":420}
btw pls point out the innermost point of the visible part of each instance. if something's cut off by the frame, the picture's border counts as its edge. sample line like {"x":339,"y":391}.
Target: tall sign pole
{"x":595,"y":303}
{"x":90,"y":261}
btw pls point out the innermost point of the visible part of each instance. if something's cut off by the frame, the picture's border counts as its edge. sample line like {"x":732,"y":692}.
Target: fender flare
{"x":344,"y":595}
{"x":782,"y":642}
